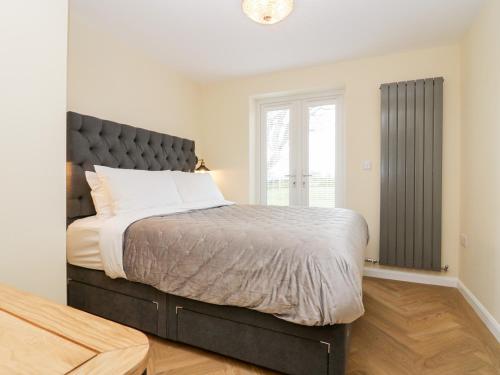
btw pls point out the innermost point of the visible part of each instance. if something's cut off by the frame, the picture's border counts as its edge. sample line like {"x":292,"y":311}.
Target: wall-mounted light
{"x":202,"y":168}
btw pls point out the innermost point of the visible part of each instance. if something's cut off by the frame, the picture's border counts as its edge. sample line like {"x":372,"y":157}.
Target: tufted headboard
{"x":91,"y":141}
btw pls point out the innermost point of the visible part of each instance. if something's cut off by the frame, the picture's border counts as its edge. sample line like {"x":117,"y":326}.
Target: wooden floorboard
{"x":408,"y":329}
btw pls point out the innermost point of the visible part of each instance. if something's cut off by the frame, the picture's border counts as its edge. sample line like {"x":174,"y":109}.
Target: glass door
{"x":278,"y":180}
{"x":319,"y":156}
{"x":299,"y":152}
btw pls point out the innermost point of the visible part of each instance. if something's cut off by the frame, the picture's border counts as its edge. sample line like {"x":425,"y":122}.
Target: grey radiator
{"x":411,"y":159}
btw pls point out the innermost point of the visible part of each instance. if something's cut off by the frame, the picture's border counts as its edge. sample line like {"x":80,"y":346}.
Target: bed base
{"x":240,"y":333}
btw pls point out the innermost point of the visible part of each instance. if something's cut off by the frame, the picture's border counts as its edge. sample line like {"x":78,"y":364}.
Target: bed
{"x":226,"y":278}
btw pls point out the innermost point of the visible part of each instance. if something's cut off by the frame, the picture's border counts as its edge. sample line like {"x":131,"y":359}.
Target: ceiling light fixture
{"x":267,"y":12}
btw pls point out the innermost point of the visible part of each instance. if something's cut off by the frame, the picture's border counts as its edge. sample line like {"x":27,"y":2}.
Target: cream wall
{"x":114,"y":81}
{"x":480,"y":215}
{"x":226,"y":134}
{"x":33,"y":40}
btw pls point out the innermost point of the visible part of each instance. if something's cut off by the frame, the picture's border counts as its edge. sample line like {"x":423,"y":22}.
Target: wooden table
{"x":41,"y":337}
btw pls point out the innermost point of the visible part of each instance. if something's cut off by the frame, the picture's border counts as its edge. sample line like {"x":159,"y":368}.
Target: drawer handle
{"x":327,"y":344}
{"x":177,"y":308}
{"x":157,"y":305}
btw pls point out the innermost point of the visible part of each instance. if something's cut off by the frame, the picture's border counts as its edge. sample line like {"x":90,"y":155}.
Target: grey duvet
{"x":303,"y":265}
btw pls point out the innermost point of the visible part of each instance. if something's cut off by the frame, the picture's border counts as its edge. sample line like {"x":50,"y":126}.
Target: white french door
{"x":301,"y":148}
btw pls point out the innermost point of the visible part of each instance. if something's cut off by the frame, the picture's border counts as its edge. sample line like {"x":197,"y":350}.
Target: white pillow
{"x":131,"y":189}
{"x":196,"y":187}
{"x":99,"y":195}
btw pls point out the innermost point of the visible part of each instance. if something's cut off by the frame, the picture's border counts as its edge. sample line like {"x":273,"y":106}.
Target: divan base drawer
{"x":276,"y":350}
{"x":134,"y":312}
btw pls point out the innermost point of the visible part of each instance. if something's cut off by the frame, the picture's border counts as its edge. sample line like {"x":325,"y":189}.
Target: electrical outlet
{"x":464,"y":241}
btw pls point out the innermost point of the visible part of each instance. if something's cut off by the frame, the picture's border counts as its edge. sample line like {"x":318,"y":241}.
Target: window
{"x":299,"y":151}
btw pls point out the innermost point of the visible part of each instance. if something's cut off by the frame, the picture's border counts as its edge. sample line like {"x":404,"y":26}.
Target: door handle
{"x":304,"y":179}
{"x":294,"y":182}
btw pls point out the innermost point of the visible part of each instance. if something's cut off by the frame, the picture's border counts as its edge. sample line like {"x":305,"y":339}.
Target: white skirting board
{"x":412,"y":277}
{"x":453,"y":282}
{"x":480,"y":310}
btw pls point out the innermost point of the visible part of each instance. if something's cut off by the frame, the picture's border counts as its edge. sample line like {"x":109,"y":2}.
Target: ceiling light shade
{"x":267,"y":12}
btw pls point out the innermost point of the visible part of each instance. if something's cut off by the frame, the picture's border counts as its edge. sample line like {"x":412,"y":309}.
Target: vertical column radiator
{"x":411,"y":162}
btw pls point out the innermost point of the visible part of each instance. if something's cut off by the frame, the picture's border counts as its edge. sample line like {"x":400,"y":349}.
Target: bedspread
{"x":303,"y":265}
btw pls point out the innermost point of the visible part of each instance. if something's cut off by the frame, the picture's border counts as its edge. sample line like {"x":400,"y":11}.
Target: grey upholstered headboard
{"x":92,"y":141}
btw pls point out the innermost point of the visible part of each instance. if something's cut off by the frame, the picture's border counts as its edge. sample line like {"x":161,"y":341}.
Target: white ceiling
{"x":213,"y":39}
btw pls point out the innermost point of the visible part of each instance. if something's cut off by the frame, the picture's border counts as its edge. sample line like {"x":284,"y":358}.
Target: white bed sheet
{"x":82,"y":243}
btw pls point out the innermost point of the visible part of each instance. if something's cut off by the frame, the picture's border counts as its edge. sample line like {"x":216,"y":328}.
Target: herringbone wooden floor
{"x":408,"y":329}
